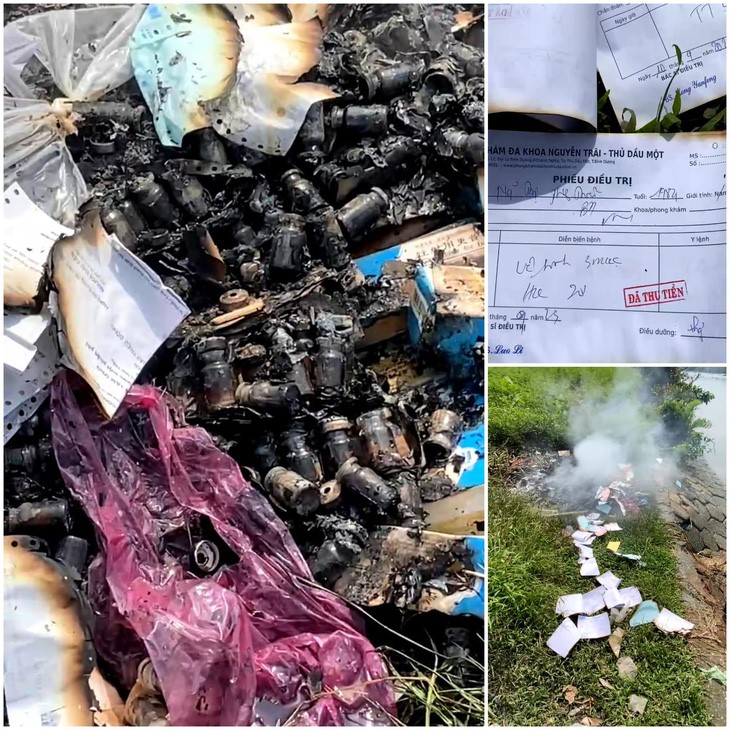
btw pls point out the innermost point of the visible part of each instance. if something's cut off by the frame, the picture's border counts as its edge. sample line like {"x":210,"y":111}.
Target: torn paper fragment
{"x":598,"y":530}
{"x":595,"y":517}
{"x":612,"y":598}
{"x":627,"y":669}
{"x":609,"y":580}
{"x":637,"y":704}
{"x":21,"y":332}
{"x":630,"y":556}
{"x":670,"y":623}
{"x":612,"y":527}
{"x":614,"y":641}
{"x":590,"y":568}
{"x":593,"y":601}
{"x":584,"y":552}
{"x":584,"y":537}
{"x":176,"y":71}
{"x":564,"y":638}
{"x":265,"y":109}
{"x":28,"y":235}
{"x":594,"y":627}
{"x":113,"y":311}
{"x":645,"y":613}
{"x":614,"y":546}
{"x":569,"y":605}
{"x":630,"y":596}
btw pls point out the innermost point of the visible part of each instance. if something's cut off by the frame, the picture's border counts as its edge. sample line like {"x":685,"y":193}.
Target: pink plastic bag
{"x":253,"y":645}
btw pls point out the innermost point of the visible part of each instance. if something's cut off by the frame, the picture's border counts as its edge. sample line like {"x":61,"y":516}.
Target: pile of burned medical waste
{"x":244,"y":324}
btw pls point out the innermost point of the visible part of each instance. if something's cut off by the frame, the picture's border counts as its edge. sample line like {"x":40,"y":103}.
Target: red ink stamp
{"x":648,"y":294}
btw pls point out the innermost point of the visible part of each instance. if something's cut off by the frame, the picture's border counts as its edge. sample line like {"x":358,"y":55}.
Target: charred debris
{"x":300,"y":366}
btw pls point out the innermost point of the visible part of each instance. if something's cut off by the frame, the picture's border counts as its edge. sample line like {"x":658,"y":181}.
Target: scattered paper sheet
{"x":564,"y":638}
{"x":593,"y":601}
{"x":670,"y":623}
{"x":594,"y":627}
{"x":28,"y":235}
{"x":585,"y":552}
{"x":645,"y":613}
{"x":636,"y":58}
{"x":612,"y":527}
{"x":612,"y":598}
{"x":113,"y":310}
{"x":26,"y":391}
{"x":542,"y":60}
{"x":614,"y":641}
{"x":630,"y":597}
{"x":570,"y":605}
{"x":583,"y":537}
{"x":606,"y":248}
{"x":21,"y":332}
{"x":613,"y":546}
{"x":609,"y":580}
{"x":589,"y":568}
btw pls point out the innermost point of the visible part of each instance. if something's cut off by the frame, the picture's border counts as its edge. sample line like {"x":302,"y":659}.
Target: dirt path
{"x":697,"y":513}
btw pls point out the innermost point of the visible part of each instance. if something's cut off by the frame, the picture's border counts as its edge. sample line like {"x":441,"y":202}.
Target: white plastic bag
{"x":86,"y":51}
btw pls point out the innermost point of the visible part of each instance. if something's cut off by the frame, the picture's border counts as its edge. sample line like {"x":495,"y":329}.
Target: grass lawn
{"x":530,"y":565}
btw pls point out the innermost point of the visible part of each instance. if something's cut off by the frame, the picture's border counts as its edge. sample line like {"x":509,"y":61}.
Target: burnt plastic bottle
{"x":269,"y":397}
{"x":359,"y":215}
{"x":300,"y":457}
{"x":390,"y":81}
{"x":365,"y":482}
{"x":188,"y":193}
{"x":49,"y":514}
{"x":292,"y":492}
{"x":72,"y":552}
{"x":326,"y":235}
{"x":154,"y":202}
{"x":133,"y":216}
{"x":366,"y":120}
{"x":301,"y":194}
{"x":311,"y":135}
{"x":216,"y":373}
{"x":114,"y":221}
{"x":337,"y":446}
{"x":265,"y":453}
{"x":289,"y":249}
{"x":384,"y":442}
{"x":337,"y":183}
{"x":444,"y":431}
{"x":442,"y":76}
{"x":329,"y":366}
{"x":462,"y":145}
{"x":331,"y":560}
{"x":211,"y":147}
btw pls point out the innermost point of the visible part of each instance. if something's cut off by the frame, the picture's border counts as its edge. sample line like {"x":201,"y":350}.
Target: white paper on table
{"x":636,"y":58}
{"x":609,"y":580}
{"x":594,"y":627}
{"x":598,"y":256}
{"x":630,"y":596}
{"x":28,"y":236}
{"x":671,"y":623}
{"x":564,"y":638}
{"x":569,"y":605}
{"x":593,"y":601}
{"x":589,"y":568}
{"x":542,"y":60}
{"x":113,"y":310}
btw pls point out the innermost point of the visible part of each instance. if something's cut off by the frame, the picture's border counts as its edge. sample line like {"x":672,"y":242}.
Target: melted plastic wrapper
{"x":256,"y":643}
